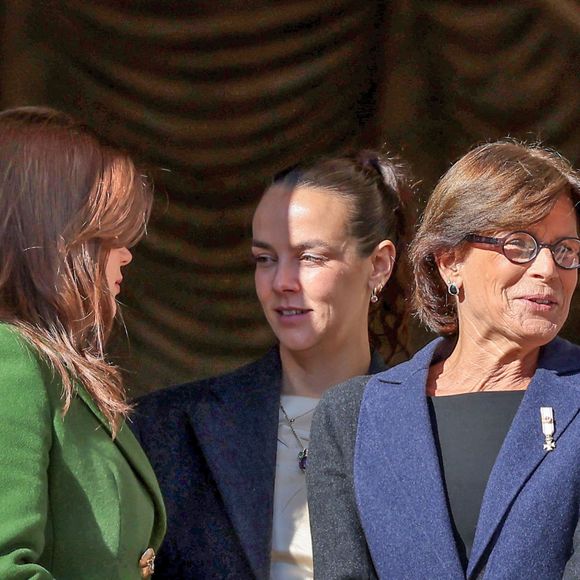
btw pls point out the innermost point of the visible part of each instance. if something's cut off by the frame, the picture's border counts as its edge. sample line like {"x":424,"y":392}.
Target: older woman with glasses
{"x":464,"y":462}
{"x":523,"y":247}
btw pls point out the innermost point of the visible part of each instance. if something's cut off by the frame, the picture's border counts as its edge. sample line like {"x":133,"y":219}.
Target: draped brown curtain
{"x":465,"y":72}
{"x":215,"y":97}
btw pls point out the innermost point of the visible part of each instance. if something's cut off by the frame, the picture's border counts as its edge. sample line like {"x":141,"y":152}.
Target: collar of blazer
{"x":135,"y":456}
{"x":236,"y":426}
{"x":398,"y":483}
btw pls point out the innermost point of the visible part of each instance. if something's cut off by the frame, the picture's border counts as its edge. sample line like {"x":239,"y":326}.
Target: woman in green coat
{"x":78,"y":498}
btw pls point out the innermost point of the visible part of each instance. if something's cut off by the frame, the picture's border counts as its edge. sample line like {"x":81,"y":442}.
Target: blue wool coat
{"x":212,"y":444}
{"x":380,"y":486}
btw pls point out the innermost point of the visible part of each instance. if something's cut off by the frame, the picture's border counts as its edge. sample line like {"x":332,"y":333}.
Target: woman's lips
{"x":540,"y":302}
{"x":291,"y":312}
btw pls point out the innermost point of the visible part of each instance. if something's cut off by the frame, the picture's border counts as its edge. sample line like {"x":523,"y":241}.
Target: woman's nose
{"x":126,"y":256}
{"x":286,"y":278}
{"x":544,"y":264}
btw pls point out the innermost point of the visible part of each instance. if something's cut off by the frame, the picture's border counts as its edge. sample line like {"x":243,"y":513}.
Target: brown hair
{"x":497,"y":186}
{"x":66,"y":199}
{"x":379,"y":195}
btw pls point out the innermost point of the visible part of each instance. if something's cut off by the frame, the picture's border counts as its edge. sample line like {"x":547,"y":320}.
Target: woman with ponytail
{"x":78,"y":497}
{"x":231,"y":452}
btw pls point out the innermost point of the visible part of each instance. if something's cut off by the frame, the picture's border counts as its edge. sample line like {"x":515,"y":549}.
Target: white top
{"x":291,"y":541}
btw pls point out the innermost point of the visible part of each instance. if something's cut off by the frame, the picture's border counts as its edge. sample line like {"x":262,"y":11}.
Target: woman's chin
{"x":299,"y":341}
{"x":538,"y":332}
{"x":296,"y":346}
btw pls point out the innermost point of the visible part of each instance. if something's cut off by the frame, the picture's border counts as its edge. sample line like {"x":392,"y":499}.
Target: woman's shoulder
{"x":10,"y":337}
{"x":17,"y":355}
{"x":344,"y":400}
{"x":563,"y":349}
{"x":264,"y":371}
{"x":25,"y":380}
{"x":561,"y":357}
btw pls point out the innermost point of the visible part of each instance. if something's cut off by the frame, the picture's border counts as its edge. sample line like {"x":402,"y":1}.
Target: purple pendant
{"x":302,"y":457}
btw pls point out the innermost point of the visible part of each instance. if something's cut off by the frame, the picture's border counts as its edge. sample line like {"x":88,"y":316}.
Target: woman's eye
{"x":263,"y":259}
{"x":313,"y":258}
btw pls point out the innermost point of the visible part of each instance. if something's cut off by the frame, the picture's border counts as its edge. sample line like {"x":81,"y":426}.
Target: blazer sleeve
{"x":25,"y":441}
{"x":339,"y":547}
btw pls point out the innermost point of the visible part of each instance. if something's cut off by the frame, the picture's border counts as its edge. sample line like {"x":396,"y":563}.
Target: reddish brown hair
{"x":66,"y":199}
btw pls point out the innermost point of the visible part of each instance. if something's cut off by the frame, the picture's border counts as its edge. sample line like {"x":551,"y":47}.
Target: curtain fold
{"x":216,"y":97}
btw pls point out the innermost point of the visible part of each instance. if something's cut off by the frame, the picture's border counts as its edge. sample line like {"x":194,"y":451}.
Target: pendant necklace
{"x":303,"y":455}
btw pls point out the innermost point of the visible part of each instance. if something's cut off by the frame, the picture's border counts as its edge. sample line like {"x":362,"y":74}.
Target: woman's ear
{"x":382,"y":264}
{"x":449,"y":264}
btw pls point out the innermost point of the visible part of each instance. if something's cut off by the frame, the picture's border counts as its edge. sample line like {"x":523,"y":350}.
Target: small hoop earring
{"x":452,"y":288}
{"x":374,"y":296}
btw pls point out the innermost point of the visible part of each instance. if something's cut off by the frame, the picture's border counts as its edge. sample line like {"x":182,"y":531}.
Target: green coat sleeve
{"x":25,"y":442}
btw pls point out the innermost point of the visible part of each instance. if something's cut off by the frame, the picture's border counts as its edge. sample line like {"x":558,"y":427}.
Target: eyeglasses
{"x":522,"y":247}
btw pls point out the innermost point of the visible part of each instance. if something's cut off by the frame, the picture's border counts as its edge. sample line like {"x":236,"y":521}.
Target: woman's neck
{"x":483,"y":365}
{"x":310,"y":373}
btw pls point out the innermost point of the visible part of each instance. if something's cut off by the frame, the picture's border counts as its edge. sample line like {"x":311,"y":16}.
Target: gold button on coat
{"x":147,"y":563}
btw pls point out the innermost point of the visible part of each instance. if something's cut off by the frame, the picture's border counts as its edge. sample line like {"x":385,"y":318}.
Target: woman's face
{"x":311,"y":283}
{"x":524,"y":303}
{"x":117,"y":259}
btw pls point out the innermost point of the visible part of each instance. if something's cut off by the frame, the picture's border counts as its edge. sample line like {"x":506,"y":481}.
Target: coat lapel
{"x":398,"y":481}
{"x":136,"y":458}
{"x":522,"y":450}
{"x":237,"y":431}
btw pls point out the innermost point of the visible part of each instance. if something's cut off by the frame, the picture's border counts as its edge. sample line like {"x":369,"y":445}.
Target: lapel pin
{"x":547,"y":416}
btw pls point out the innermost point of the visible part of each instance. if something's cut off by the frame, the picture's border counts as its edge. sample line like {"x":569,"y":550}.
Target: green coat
{"x":74,"y":504}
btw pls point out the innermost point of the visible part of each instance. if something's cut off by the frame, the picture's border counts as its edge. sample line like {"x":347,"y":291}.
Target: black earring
{"x":452,"y":288}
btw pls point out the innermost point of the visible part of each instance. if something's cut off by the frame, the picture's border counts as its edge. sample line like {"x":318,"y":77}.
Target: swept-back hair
{"x":505,"y":185}
{"x":379,"y":196}
{"x":66,"y":200}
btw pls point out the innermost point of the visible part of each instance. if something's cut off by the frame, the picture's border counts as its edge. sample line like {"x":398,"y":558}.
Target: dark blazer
{"x":212,"y":444}
{"x":376,"y":494}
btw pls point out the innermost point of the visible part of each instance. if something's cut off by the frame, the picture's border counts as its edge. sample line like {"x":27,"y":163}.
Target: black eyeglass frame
{"x":475,"y":238}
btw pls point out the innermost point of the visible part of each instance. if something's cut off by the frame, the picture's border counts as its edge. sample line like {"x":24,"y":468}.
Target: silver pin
{"x":548,"y":428}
